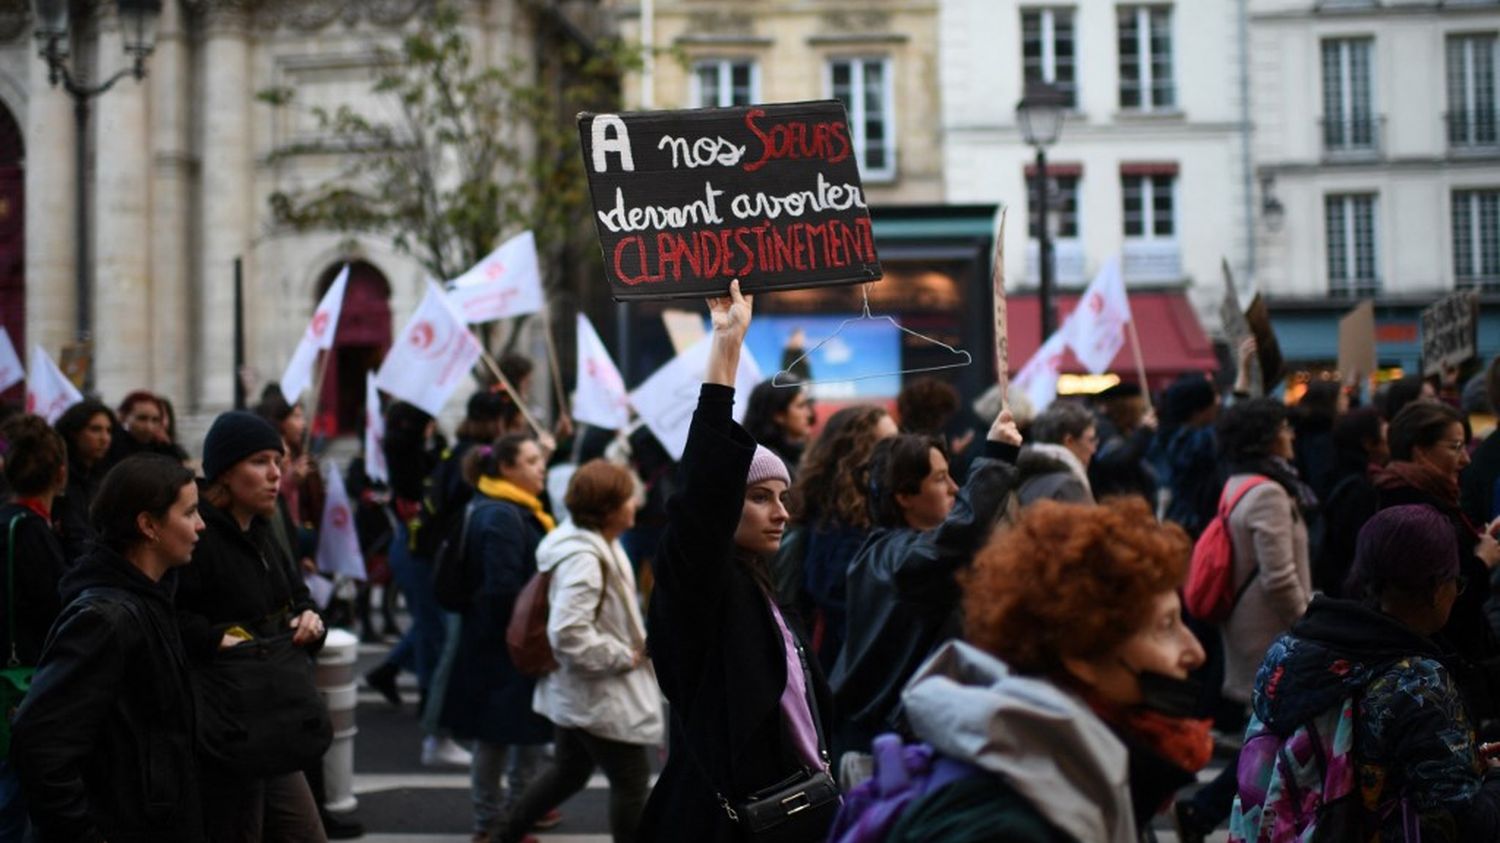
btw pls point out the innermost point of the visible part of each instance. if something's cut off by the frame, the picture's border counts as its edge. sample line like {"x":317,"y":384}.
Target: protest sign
{"x":1237,"y":330}
{"x":667,"y":399}
{"x":685,"y":201}
{"x":1357,"y":341}
{"x":1448,"y":331}
{"x":1267,"y":348}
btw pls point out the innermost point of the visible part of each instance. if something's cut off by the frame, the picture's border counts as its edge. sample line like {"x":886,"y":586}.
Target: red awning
{"x":1172,"y":341}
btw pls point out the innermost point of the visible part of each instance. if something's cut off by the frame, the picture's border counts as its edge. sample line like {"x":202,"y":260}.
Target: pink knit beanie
{"x":767,"y":466}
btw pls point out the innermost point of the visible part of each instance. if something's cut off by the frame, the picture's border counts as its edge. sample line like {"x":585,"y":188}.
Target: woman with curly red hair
{"x":1067,"y":705}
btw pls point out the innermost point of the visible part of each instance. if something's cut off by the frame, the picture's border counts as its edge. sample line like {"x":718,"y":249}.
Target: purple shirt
{"x":794,"y":706}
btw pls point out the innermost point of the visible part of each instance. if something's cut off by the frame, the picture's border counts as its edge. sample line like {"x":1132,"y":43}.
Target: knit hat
{"x":1187,"y":395}
{"x":767,"y":466}
{"x":1410,"y":547}
{"x":234,"y":436}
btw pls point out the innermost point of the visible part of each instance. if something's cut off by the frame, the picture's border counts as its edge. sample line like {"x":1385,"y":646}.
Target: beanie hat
{"x":767,"y":466}
{"x":1186,"y":396}
{"x":1410,"y":547}
{"x":234,"y":436}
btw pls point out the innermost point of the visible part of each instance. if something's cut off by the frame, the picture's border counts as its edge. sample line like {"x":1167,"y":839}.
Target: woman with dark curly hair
{"x":781,"y":418}
{"x":830,"y":519}
{"x":1268,"y":506}
{"x":86,"y":428}
{"x":1060,"y":708}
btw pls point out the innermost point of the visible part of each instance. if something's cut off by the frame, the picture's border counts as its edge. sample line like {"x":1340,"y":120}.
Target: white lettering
{"x":697,"y":212}
{"x":827,"y":197}
{"x":702,"y":152}
{"x":619,"y":142}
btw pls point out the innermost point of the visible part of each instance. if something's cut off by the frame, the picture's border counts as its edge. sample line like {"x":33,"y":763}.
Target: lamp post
{"x":138,"y":19}
{"x":1040,"y":114}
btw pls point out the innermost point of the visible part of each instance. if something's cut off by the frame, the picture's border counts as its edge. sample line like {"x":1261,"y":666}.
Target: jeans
{"x":577,"y":753}
{"x":437,"y":692}
{"x":518,"y":763}
{"x":15,"y":825}
{"x":419,"y":649}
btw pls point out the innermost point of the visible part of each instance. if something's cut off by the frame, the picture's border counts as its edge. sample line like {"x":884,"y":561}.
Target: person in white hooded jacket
{"x":603,"y":698}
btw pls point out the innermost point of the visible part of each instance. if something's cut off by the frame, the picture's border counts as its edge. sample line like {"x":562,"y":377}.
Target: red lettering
{"x":765,"y":142}
{"x":829,"y":141}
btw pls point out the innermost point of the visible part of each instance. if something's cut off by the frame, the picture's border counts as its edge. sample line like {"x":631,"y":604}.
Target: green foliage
{"x":473,"y":153}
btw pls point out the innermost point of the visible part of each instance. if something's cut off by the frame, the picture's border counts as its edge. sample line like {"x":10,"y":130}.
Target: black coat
{"x":104,"y":742}
{"x":1479,"y":480}
{"x":1119,"y":467}
{"x":71,"y":510}
{"x":237,"y":578}
{"x":903,"y":599}
{"x":39,"y":568}
{"x":719,"y":655}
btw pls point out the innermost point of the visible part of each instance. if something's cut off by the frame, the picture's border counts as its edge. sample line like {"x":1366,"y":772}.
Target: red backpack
{"x":1209,"y":594}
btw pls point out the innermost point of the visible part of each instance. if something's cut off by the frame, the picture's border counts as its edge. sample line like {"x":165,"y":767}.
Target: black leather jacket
{"x":104,"y":742}
{"x":902,"y":597}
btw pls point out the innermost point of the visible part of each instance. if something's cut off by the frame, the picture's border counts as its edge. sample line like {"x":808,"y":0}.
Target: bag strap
{"x":1224,"y":512}
{"x":10,"y":588}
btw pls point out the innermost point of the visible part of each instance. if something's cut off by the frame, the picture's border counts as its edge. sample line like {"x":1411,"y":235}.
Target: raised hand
{"x":731,"y":319}
{"x":1004,"y":429}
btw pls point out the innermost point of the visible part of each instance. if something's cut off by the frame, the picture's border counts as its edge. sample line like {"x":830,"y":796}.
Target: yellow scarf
{"x":505,"y":490}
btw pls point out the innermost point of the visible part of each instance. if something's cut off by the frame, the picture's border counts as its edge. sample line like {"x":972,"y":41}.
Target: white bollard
{"x":337,"y":683}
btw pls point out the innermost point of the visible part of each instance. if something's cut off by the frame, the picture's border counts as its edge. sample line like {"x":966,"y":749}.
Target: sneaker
{"x":1185,"y":823}
{"x":444,"y":752}
{"x":383,"y":679}
{"x":335,"y":828}
{"x":551,"y":819}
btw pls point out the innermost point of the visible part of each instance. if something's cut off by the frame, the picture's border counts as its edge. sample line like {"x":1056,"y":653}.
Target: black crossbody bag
{"x":800,"y":807}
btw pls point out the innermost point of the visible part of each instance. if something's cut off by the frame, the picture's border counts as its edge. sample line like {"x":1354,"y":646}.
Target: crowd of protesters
{"x":904,"y":623}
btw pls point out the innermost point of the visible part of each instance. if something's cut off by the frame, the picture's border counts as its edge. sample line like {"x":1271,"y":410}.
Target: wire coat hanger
{"x":866,"y":316}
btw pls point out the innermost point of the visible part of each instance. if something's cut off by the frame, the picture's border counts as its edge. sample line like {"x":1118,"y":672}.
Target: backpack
{"x":904,"y":774}
{"x":444,"y":496}
{"x":1300,"y":787}
{"x":454,"y":580}
{"x":1209,"y":594}
{"x":526,"y":633}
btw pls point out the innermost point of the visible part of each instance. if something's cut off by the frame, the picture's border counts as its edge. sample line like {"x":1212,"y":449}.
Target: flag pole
{"x":1002,"y":341}
{"x":316,"y":399}
{"x":1140,"y":362}
{"x":554,"y":363}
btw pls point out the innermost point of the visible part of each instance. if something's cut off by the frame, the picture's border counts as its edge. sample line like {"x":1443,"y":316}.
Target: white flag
{"x":49,"y":393}
{"x":319,"y":589}
{"x":667,"y":399}
{"x":338,"y":544}
{"x":11,"y":370}
{"x":431,"y":357}
{"x":506,"y":283}
{"x":318,"y":337}
{"x":1097,"y":332}
{"x":375,"y":467}
{"x":1037,"y":380}
{"x":600,"y":398}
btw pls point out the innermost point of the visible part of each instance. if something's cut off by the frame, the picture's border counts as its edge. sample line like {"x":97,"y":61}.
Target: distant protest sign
{"x":685,"y":201}
{"x":1448,"y":331}
{"x":1357,"y":341}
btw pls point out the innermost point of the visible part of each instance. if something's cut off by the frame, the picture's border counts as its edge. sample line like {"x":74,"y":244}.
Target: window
{"x":1146,"y":57}
{"x":1062,"y":205}
{"x":1048,"y":50}
{"x":724,"y":83}
{"x":1350,"y":220}
{"x":1348,"y":103}
{"x":1149,"y":206}
{"x":1476,"y":237}
{"x":1471,"y":90}
{"x":864,"y":87}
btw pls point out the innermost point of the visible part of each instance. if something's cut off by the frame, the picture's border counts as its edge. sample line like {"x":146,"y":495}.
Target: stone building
{"x":180,"y":168}
{"x":1377,"y":152}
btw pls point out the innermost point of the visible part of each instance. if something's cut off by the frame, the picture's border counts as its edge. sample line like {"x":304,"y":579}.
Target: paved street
{"x":400,"y":801}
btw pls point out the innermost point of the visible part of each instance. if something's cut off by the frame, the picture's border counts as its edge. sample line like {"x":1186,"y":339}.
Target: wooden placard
{"x":1449,"y":335}
{"x":1237,"y":330}
{"x":686,"y":201}
{"x":1267,"y":348}
{"x":1357,"y":341}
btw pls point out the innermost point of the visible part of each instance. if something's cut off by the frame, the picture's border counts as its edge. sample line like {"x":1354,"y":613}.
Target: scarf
{"x":1439,"y":485}
{"x":1285,"y":475}
{"x":1067,"y":458}
{"x":1184,"y":742}
{"x":504,"y":490}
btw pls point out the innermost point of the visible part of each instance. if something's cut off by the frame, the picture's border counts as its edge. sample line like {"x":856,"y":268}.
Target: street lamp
{"x":138,"y":19}
{"x":1040,"y":114}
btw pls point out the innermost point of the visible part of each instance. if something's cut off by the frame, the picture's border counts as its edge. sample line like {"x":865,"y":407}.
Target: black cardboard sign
{"x":686,"y":201}
{"x":1449,"y":331}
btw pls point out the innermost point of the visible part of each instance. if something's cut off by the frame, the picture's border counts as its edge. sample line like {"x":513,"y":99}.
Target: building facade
{"x":1152,"y":162}
{"x":1377,"y":150}
{"x":180,"y":168}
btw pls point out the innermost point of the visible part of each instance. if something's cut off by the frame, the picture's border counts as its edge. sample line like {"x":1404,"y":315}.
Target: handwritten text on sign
{"x":687,"y":200}
{"x":1448,"y":331}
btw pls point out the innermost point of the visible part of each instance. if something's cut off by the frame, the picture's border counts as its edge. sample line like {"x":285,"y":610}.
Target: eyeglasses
{"x":1454,"y":445}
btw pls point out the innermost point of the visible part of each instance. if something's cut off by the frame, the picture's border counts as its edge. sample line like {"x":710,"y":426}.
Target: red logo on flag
{"x":340,"y":517}
{"x":494,"y":269}
{"x":319,"y":324}
{"x":1096,"y":303}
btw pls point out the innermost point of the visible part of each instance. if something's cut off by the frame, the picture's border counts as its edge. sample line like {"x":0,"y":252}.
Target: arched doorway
{"x":359,"y":344}
{"x":13,"y":241}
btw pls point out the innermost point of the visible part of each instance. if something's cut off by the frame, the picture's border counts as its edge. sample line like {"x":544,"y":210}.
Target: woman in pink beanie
{"x":747,"y":705}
